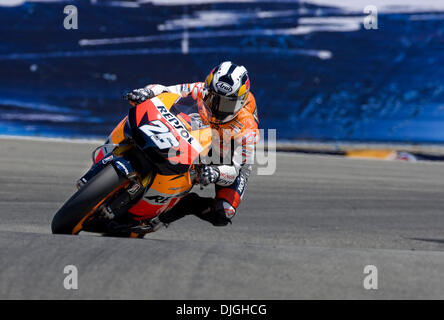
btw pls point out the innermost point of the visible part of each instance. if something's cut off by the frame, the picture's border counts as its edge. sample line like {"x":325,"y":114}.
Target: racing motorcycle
{"x":145,"y":166}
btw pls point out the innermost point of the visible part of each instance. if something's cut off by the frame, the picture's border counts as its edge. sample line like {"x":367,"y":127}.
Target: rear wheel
{"x":70,"y":217}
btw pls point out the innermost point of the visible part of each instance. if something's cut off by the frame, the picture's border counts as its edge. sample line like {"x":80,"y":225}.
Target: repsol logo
{"x":171,"y":118}
{"x":176,"y":124}
{"x":224,"y":87}
{"x":158,"y":199}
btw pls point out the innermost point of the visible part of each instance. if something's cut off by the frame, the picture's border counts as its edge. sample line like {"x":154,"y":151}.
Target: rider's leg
{"x":192,"y":203}
{"x":229,"y":198}
{"x":207,"y":209}
{"x":219,"y":211}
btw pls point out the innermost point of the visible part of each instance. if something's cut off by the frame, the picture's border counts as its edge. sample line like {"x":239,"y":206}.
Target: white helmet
{"x":226,"y":91}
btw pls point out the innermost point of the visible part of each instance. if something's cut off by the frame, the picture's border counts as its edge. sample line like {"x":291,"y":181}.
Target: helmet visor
{"x":222,"y":108}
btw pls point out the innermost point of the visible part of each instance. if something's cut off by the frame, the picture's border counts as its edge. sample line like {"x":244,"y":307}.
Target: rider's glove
{"x":208,"y":174}
{"x":138,"y":96}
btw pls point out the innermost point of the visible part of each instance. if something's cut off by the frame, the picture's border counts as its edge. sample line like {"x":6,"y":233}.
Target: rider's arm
{"x":243,"y":156}
{"x":244,"y":146}
{"x":183,"y":89}
{"x":138,"y":96}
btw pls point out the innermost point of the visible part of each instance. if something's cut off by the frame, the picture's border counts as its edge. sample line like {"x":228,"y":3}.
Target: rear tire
{"x":84,"y":200}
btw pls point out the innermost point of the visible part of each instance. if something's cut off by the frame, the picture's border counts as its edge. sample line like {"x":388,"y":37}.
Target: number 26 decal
{"x":160,"y":134}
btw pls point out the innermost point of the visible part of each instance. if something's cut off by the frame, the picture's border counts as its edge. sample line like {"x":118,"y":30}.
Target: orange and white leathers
{"x":242,"y":130}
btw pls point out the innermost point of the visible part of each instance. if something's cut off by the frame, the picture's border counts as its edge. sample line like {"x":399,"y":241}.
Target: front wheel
{"x":70,"y":217}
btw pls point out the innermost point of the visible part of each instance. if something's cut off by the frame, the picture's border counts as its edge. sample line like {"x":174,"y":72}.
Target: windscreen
{"x":187,"y":111}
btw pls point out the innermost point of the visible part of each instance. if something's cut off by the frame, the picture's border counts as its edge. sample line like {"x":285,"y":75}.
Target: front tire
{"x":92,"y":194}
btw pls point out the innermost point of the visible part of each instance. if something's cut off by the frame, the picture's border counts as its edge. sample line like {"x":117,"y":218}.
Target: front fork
{"x":118,"y":206}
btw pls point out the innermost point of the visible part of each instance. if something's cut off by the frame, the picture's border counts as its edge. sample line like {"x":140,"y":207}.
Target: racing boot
{"x":140,"y":228}
{"x":148,"y":226}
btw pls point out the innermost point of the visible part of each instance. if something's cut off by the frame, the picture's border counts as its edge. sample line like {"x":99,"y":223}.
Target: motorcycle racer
{"x":230,"y":109}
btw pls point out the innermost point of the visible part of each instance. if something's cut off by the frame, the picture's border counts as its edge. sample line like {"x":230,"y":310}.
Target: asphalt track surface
{"x":306,"y":232}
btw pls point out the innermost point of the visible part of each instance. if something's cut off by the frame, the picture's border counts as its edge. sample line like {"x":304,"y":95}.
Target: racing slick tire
{"x":69,"y":218}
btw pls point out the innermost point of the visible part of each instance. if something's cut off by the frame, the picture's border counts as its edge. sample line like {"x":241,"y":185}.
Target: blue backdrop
{"x":316,"y":72}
